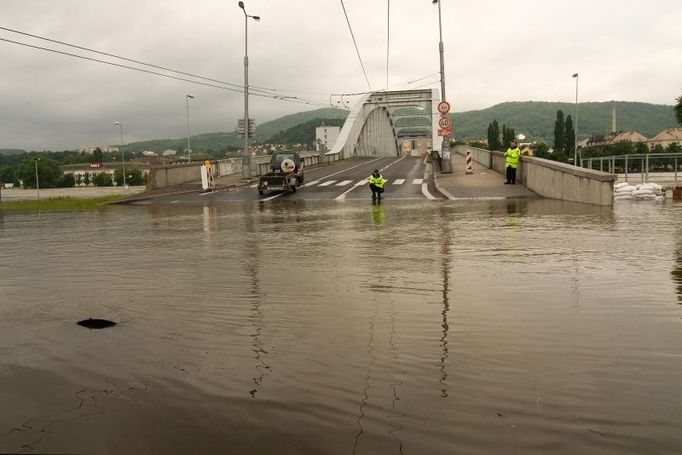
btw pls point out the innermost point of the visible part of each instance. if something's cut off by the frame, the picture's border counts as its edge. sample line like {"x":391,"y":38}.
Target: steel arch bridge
{"x":380,"y":122}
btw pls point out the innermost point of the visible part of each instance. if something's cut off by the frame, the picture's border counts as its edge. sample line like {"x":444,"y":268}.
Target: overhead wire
{"x":262,"y":92}
{"x":357,"y":50}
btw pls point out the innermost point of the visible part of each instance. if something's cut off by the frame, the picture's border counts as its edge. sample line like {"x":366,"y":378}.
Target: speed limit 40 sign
{"x":444,"y":122}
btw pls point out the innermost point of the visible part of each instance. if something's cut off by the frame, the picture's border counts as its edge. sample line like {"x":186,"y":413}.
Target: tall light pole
{"x":575,"y":151}
{"x":445,"y":148}
{"x":123,"y":158}
{"x":37,"y":183}
{"x":189,"y":150}
{"x":246,"y":157}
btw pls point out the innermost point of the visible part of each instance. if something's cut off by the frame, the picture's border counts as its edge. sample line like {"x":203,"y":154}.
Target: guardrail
{"x":641,"y":164}
{"x":550,"y":178}
{"x":176,"y":174}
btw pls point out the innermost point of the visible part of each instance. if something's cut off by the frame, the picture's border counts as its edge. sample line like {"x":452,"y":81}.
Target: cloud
{"x":495,"y":52}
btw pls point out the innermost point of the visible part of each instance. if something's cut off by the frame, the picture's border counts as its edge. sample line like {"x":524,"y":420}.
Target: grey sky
{"x":496,"y":51}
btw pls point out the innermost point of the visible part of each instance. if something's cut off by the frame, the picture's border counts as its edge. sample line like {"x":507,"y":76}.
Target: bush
{"x":102,"y":179}
{"x":67,"y":181}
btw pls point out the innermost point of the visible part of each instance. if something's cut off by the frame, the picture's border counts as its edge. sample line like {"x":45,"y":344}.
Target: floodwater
{"x":343,"y":328}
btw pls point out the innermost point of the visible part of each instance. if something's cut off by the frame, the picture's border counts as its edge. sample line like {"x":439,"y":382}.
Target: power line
{"x":356,"y":44}
{"x":239,"y":88}
{"x":141,"y":70}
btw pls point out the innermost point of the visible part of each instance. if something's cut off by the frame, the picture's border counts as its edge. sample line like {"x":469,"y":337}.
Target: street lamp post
{"x":189,"y":150}
{"x":246,"y":157}
{"x":575,"y":140}
{"x":37,"y":182}
{"x":123,"y":158}
{"x":445,"y":148}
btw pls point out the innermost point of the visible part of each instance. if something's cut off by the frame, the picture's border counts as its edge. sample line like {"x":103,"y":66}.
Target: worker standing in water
{"x":376,"y":184}
{"x":511,"y":162}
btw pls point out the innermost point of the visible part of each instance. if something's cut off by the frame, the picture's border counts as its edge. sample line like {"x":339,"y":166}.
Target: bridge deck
{"x":484,"y":183}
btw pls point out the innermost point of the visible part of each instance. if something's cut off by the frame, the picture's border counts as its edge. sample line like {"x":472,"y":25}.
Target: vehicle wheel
{"x":260,"y":192}
{"x":293,"y":188}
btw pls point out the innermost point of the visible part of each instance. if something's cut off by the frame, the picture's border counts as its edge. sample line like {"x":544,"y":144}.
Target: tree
{"x":78,"y":180}
{"x":67,"y":181}
{"x":7,"y":174}
{"x":674,"y":148}
{"x":508,"y":135}
{"x":134,"y":176}
{"x":496,"y":136}
{"x":541,"y":150}
{"x":491,"y":138}
{"x":86,"y":179}
{"x":49,"y":172}
{"x":678,"y":110}
{"x":569,"y":137}
{"x":97,"y":155}
{"x":559,"y":133}
{"x":102,"y":179}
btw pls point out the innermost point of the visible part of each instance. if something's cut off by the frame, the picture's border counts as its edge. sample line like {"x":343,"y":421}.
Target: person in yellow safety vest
{"x":511,"y":162}
{"x":376,"y":184}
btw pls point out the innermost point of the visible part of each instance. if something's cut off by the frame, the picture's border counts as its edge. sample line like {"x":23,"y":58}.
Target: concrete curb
{"x":440,"y":189}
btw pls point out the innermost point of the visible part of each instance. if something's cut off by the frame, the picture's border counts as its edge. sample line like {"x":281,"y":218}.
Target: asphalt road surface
{"x":406,"y":177}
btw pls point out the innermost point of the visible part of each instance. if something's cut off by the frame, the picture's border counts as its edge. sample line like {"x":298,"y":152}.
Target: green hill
{"x":303,"y":133}
{"x":535,"y":119}
{"x":8,"y":152}
{"x":230,"y":141}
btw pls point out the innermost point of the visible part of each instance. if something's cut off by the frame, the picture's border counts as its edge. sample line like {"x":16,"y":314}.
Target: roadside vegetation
{"x":58,"y":203}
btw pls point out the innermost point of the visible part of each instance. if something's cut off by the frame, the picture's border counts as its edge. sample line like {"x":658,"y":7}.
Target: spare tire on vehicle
{"x":288,"y":165}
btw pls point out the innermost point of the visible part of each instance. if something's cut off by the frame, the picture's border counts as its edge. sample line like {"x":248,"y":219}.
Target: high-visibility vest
{"x":377,"y":181}
{"x":512,"y":157}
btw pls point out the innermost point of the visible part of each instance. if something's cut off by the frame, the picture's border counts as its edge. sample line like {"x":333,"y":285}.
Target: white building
{"x":326,"y":135}
{"x":90,"y":149}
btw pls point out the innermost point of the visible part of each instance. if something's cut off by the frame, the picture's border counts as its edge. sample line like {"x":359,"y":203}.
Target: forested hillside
{"x":536,"y":119}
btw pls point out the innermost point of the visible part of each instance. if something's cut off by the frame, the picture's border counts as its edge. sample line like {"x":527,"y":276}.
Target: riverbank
{"x":58,"y":203}
{"x":81,"y":192}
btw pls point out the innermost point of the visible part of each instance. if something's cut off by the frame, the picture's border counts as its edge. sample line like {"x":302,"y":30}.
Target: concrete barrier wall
{"x":176,"y":174}
{"x":550,"y":178}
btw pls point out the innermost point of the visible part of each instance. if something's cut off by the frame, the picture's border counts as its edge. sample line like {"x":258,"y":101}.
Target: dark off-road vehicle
{"x":286,"y":173}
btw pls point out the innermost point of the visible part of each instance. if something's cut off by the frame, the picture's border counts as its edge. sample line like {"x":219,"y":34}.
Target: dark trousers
{"x":376,"y":191}
{"x":511,"y":174}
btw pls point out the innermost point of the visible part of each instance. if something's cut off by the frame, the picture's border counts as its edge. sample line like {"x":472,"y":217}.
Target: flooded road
{"x":308,"y":327}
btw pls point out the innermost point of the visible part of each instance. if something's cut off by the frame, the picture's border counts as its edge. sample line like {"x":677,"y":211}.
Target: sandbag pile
{"x":642,"y":192}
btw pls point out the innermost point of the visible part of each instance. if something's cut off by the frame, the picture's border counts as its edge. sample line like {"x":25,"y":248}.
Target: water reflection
{"x":251,"y":253}
{"x":677,"y":268}
{"x":445,"y":276}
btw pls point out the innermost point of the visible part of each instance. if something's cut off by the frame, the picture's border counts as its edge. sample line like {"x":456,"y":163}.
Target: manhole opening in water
{"x":96,"y":323}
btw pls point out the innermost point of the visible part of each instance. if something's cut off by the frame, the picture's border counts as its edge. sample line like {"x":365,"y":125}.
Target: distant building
{"x":169,"y":152}
{"x":149,"y":153}
{"x":90,"y":149}
{"x":326,"y":136}
{"x":666,"y":137}
{"x":614,"y":138}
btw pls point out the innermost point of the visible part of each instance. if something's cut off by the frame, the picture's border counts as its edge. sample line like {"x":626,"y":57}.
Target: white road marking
{"x":174,"y":202}
{"x":204,"y":194}
{"x":399,"y":181}
{"x":327,"y":183}
{"x":253,"y":186}
{"x":361,"y":182}
{"x":310,"y":183}
{"x":418,"y":181}
{"x":344,"y":183}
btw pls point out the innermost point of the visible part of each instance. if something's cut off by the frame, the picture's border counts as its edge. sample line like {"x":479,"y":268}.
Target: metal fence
{"x":665,"y":165}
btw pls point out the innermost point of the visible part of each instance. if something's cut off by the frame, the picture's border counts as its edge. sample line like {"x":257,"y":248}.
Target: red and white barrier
{"x":470,"y":163}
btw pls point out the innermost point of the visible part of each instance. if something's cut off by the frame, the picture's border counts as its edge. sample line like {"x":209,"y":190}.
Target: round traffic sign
{"x":444,"y":122}
{"x":443,"y":107}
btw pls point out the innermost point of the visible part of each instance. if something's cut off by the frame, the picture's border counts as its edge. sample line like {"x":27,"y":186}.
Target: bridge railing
{"x":666,"y":166}
{"x":550,"y":178}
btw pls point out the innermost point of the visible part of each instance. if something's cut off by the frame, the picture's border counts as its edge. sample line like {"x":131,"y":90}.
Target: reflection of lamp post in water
{"x":37,"y":183}
{"x":123,"y":158}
